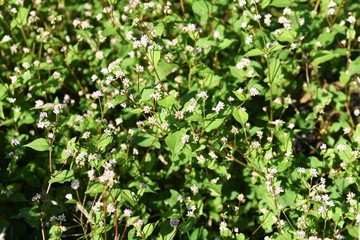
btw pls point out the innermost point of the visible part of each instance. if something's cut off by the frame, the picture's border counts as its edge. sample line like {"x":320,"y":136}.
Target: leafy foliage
{"x":190,"y":119}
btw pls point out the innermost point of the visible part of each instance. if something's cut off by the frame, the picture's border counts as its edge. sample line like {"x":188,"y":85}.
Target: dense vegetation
{"x":189,"y":119}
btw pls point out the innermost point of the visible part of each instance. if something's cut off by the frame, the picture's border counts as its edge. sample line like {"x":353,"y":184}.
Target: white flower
{"x":62,"y":228}
{"x":201,"y":159}
{"x":347,"y":130}
{"x":185,"y":138}
{"x":91,"y":174}
{"x":267,"y":19}
{"x":257,"y":17}
{"x":179,"y":115}
{"x":242,"y":3}
{"x":139,"y":68}
{"x":341,"y":147}
{"x":287,"y":11}
{"x":313,"y":172}
{"x":36,"y":197}
{"x":255,"y":144}
{"x":351,"y":19}
{"x":216,"y":34}
{"x":254,"y":91}
{"x":243,"y":63}
{"x":203,"y":95}
{"x":99,"y":55}
{"x":97,"y":206}
{"x":323,"y":147}
{"x":301,"y":170}
{"x":6,"y":39}
{"x":127,"y":212}
{"x":332,"y":4}
{"x":218,"y":107}
{"x":69,"y":196}
{"x":138,"y":223}
{"x":110,"y":208}
{"x":249,"y":40}
{"x":278,"y":122}
{"x":223,"y":226}
{"x":146,"y":109}
{"x":301,"y":21}
{"x":85,"y":135}
{"x":75,"y":185}
{"x":212,"y":155}
{"x":194,"y":189}
{"x":144,"y":40}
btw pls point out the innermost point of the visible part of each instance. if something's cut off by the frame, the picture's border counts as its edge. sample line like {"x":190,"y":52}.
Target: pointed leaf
{"x":63,"y":176}
{"x":240,"y":115}
{"x":149,"y":228}
{"x":173,"y":141}
{"x":40,"y":144}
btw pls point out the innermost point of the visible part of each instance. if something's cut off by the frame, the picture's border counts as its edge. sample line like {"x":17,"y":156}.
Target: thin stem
{"x":182,"y":6}
{"x":123,"y":233}
{"x":105,"y":206}
{"x":271,"y":90}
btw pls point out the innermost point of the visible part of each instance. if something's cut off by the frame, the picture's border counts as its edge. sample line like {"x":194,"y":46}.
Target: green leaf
{"x":149,"y":229}
{"x":264,"y":3}
{"x":213,"y":124}
{"x":215,"y":189}
{"x":62,"y":176}
{"x":286,"y":35}
{"x":202,"y":9}
{"x":288,"y":198}
{"x":95,"y":189}
{"x":240,"y":236}
{"x":187,"y":225}
{"x":173,"y":141}
{"x":169,"y":100}
{"x":109,"y":31}
{"x":146,"y":94}
{"x":3,"y":91}
{"x":112,"y":2}
{"x":2,"y":111}
{"x":144,"y":140}
{"x":55,"y":232}
{"x":240,"y":96}
{"x":127,"y":195}
{"x":226,"y":234}
{"x":323,"y":56}
{"x":354,"y":68}
{"x":173,"y":200}
{"x":163,"y":69}
{"x":226,"y":43}
{"x":211,"y":81}
{"x":353,"y":231}
{"x":40,"y":145}
{"x":102,"y":144}
{"x":32,"y":216}
{"x":166,"y":232}
{"x":237,"y":73}
{"x":281,"y":3}
{"x":240,"y":116}
{"x":268,"y":221}
{"x":154,"y":56}
{"x":254,"y":52}
{"x":22,"y":16}
{"x":315,"y":162}
{"x":159,"y":29}
{"x":350,"y":34}
{"x":119,"y":99}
